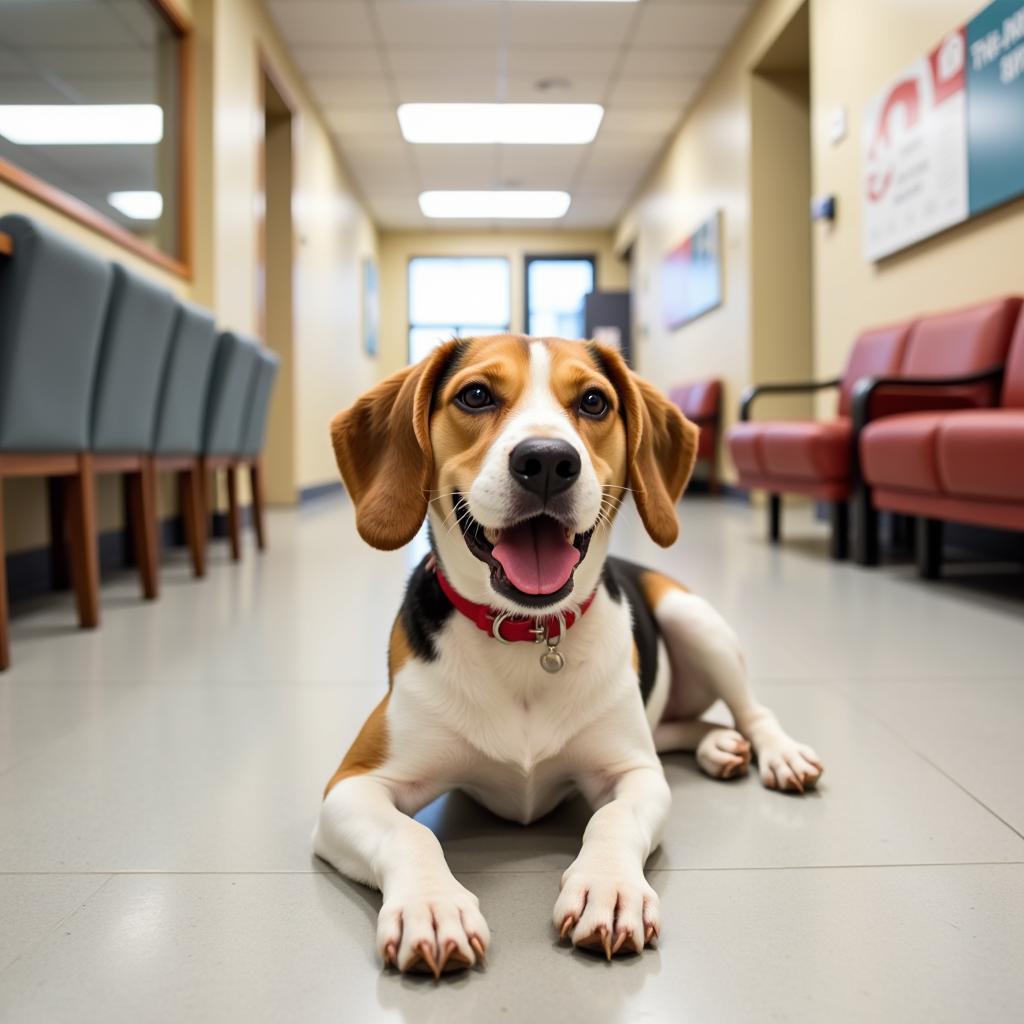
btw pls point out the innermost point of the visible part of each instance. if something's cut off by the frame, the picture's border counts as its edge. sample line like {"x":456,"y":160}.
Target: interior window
{"x":456,"y":297}
{"x":90,"y":99}
{"x":555,"y":289}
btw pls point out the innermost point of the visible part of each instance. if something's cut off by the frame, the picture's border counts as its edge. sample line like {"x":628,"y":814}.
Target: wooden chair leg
{"x":256,"y":485}
{"x":234,"y":528}
{"x":5,"y":644}
{"x":85,"y":572}
{"x":190,"y":490}
{"x":56,"y":492}
{"x":142,"y":513}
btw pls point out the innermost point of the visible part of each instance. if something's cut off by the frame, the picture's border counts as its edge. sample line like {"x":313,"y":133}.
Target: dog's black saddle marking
{"x":622,"y":578}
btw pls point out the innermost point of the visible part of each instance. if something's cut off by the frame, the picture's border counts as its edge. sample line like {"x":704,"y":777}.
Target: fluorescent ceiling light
{"x":138,"y":205}
{"x":495,"y":205}
{"x":551,"y":124}
{"x":80,"y":124}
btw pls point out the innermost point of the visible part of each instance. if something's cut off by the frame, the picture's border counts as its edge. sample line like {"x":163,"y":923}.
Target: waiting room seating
{"x":701,"y":403}
{"x":234,"y":374}
{"x":53,"y":300}
{"x":178,"y":443}
{"x":932,"y":362}
{"x":964,"y":465}
{"x":102,"y":371}
{"x":812,"y":457}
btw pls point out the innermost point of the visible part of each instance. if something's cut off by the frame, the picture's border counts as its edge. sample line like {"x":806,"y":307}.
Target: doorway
{"x":274,"y":270}
{"x":782,"y":271}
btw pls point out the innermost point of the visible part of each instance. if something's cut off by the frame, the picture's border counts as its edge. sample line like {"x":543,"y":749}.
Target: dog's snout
{"x":545,"y":466}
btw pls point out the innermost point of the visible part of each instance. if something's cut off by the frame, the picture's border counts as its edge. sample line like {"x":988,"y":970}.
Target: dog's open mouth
{"x":531,"y":562}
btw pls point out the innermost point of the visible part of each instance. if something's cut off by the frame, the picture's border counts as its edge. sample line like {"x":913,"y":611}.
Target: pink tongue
{"x":536,"y":557}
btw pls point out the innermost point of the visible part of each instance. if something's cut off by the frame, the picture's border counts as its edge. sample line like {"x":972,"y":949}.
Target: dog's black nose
{"x":545,"y":466}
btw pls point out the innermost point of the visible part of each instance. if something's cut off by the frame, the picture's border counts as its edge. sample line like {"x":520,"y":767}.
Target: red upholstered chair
{"x":964,"y":465}
{"x":701,"y":403}
{"x":812,"y":457}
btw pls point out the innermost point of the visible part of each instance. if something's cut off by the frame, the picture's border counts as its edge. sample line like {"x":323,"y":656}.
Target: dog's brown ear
{"x":661,"y":447}
{"x":382,"y":445}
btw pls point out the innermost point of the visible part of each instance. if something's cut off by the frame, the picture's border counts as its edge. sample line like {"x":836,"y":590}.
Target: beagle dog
{"x":525,"y":663}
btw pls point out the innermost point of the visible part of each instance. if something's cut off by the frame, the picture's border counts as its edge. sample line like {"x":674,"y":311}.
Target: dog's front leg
{"x":606,"y":902}
{"x":428,"y":920}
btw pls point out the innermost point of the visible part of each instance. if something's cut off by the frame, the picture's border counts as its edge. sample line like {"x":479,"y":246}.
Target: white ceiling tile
{"x":447,"y":87}
{"x":324,"y":22}
{"x":688,"y":24}
{"x":573,"y":26}
{"x":543,"y":61}
{"x":414,"y":61}
{"x":578,"y":89}
{"x":540,"y":167}
{"x":672,"y":62}
{"x":337,"y":61}
{"x":441,"y":167}
{"x":455,"y":25}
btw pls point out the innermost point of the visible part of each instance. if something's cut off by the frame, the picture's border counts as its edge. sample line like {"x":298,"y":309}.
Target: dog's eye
{"x":593,"y":404}
{"x":475,"y":397}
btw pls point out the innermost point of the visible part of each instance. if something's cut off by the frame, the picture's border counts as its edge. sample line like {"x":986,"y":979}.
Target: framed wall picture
{"x":371,"y":307}
{"x":692,"y":274}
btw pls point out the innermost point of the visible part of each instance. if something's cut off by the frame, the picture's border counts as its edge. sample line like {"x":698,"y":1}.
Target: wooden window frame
{"x":83,"y":213}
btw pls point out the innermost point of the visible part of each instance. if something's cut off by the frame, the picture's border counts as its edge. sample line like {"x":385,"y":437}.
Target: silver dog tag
{"x":551,"y":660}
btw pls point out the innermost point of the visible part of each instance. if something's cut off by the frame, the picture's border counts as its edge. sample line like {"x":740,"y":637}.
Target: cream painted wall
{"x":707,"y":167}
{"x":397,"y":248}
{"x":332,"y":233}
{"x":857,"y":49}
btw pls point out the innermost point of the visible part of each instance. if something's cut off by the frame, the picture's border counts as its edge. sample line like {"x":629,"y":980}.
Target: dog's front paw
{"x":437,"y":929}
{"x":607,"y":910}
{"x":787,"y":765}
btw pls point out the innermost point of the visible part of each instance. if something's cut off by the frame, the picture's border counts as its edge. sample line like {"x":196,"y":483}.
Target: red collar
{"x":510,"y":628}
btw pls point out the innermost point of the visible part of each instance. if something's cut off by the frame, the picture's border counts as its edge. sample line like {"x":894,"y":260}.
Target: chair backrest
{"x":959,"y":343}
{"x":876,"y":353}
{"x":136,"y":339}
{"x":53,"y":297}
{"x":186,"y":381}
{"x":254,"y":429}
{"x":699,"y":400}
{"x":1013,"y":381}
{"x":230,"y":391}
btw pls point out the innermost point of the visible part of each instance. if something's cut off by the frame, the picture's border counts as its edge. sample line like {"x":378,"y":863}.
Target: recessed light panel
{"x":495,"y":205}
{"x":79,"y":124}
{"x":549,"y":124}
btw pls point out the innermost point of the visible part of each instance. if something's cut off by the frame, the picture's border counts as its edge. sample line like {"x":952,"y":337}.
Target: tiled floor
{"x":159,"y":780}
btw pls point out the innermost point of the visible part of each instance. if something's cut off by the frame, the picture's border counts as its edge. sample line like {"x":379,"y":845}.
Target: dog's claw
{"x":650,"y":934}
{"x":390,"y":955}
{"x":427,"y":955}
{"x":567,"y":926}
{"x":478,"y":947}
{"x":621,"y":941}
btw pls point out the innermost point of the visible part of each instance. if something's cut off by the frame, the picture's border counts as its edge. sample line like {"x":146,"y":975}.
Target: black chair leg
{"x":840,"y":544}
{"x":774,"y":517}
{"x":928,"y":538}
{"x":865,"y":528}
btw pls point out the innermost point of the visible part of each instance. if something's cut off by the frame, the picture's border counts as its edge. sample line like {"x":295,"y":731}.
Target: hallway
{"x":160,"y":780}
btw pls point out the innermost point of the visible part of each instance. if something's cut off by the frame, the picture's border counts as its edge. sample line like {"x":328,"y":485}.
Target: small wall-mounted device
{"x":823,"y":208}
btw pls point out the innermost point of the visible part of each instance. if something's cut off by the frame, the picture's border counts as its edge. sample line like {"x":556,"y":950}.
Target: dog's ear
{"x":382,"y":445}
{"x":661,"y":447}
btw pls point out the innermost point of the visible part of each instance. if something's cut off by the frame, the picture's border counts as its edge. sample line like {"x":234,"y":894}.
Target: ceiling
{"x":645,"y":62}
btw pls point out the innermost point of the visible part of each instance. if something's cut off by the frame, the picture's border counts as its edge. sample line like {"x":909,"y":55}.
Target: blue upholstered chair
{"x":140,"y":324}
{"x":254,"y":432}
{"x":53,"y":303}
{"x":234,"y":373}
{"x":181,"y":419}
